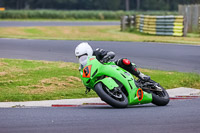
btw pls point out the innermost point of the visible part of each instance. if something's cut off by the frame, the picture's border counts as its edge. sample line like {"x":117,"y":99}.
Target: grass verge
{"x":96,"y":33}
{"x":26,"y":80}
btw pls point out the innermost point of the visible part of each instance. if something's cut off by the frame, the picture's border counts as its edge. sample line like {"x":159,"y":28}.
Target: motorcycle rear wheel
{"x":116,"y":101}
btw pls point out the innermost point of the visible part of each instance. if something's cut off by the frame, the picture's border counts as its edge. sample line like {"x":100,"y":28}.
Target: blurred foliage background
{"x":170,"y":5}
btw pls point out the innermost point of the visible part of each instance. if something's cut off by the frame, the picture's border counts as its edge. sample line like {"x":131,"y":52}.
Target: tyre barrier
{"x":160,"y":25}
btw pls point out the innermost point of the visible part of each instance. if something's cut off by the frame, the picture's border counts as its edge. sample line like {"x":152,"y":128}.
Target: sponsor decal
{"x":92,"y":59}
{"x":140,"y":94}
{"x":87,"y":71}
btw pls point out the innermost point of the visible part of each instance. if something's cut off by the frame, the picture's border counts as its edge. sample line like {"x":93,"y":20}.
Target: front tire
{"x":104,"y":93}
{"x":160,"y":98}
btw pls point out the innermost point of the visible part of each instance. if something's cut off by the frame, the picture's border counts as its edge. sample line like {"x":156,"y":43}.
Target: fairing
{"x":92,"y":72}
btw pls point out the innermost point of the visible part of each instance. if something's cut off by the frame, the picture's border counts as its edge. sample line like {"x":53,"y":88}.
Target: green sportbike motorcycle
{"x":117,"y":87}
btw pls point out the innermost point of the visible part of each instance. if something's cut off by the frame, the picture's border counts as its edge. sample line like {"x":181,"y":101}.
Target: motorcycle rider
{"x":84,"y":49}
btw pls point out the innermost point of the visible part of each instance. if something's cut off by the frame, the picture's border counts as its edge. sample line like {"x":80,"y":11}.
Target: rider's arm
{"x":108,"y":56}
{"x":111,"y":54}
{"x":102,"y":54}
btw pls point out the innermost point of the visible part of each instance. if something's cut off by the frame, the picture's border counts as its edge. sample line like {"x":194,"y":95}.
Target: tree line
{"x":168,"y":5}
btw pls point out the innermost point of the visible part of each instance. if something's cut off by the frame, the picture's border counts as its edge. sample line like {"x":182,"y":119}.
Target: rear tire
{"x":103,"y":93}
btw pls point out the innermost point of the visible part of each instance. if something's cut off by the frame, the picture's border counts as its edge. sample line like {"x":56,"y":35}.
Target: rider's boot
{"x":139,"y":74}
{"x":143,"y":77}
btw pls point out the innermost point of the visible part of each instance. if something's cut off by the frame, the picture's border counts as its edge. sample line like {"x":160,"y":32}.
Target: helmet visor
{"x":83,"y":60}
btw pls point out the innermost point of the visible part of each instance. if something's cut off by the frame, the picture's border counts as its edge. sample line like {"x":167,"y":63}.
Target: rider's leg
{"x":127,"y":65}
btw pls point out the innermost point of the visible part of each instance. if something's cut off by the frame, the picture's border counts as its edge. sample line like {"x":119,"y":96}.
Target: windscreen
{"x":83,"y":60}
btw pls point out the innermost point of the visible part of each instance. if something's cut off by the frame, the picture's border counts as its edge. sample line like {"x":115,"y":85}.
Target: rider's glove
{"x":106,"y":58}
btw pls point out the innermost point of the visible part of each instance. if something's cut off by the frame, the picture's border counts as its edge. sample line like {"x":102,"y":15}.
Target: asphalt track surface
{"x":179,"y":116}
{"x":56,"y":23}
{"x":175,"y":57}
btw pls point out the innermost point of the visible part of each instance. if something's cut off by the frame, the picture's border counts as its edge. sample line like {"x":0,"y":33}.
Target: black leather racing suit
{"x":123,"y":62}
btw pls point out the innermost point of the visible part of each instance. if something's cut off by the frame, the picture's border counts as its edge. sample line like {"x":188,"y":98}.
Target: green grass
{"x":33,"y":31}
{"x":193,"y":34}
{"x":25,"y":80}
{"x":96,"y":33}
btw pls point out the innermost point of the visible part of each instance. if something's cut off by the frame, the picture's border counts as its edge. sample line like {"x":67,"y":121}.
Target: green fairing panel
{"x":147,"y":98}
{"x":109,"y":82}
{"x":90,"y":81}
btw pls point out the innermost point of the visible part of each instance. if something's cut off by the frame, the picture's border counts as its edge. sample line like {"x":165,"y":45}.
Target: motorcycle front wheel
{"x":115,"y":97}
{"x":160,"y":98}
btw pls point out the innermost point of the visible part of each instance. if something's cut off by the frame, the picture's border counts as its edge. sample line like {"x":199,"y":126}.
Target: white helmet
{"x":83,"y":49}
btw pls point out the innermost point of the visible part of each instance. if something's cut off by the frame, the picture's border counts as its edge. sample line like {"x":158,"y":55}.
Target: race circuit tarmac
{"x":56,"y":23}
{"x":179,"y":116}
{"x":162,"y":56}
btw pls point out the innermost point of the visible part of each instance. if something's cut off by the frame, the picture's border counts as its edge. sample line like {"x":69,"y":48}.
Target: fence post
{"x":199,"y":25}
{"x":191,"y":14}
{"x":195,"y":18}
{"x":181,"y":10}
{"x":130,"y":21}
{"x":124,"y":23}
{"x":132,"y":18}
{"x":185,"y":25}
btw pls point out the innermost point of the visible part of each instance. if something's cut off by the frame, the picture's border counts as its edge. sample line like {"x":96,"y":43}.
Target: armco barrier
{"x":160,"y":25}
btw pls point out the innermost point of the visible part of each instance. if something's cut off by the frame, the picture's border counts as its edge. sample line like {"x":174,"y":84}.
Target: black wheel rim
{"x":160,"y":93}
{"x":116,"y":93}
